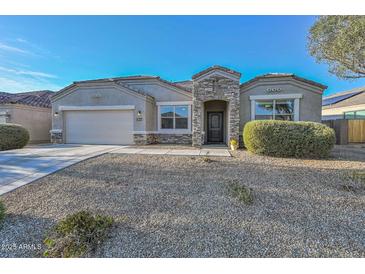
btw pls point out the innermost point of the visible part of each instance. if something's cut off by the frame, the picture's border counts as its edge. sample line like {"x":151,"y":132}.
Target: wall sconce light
{"x":55,"y":114}
{"x":139,"y":115}
{"x":5,"y":114}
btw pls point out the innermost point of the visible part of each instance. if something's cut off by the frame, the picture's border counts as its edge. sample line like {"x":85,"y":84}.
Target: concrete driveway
{"x":22,"y":166}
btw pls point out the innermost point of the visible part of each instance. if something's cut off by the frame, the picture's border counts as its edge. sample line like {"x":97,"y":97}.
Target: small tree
{"x":339,"y":41}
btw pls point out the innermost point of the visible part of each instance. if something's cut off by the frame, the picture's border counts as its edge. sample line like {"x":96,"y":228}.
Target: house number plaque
{"x":273,"y":89}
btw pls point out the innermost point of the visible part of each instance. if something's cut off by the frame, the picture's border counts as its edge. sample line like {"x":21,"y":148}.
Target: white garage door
{"x":114,"y":127}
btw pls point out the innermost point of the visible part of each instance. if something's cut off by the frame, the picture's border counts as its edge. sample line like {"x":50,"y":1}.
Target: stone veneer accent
{"x":158,"y":138}
{"x":215,"y":87}
{"x":142,"y":139}
{"x":56,"y":138}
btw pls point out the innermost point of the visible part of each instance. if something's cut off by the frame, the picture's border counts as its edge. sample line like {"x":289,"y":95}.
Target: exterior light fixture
{"x":139,"y":115}
{"x":55,"y":113}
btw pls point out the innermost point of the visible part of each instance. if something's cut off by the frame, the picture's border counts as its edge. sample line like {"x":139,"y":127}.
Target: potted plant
{"x":234,"y":144}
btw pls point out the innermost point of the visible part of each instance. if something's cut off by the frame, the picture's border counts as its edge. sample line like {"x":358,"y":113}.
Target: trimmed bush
{"x":2,"y":212}
{"x":288,"y":139}
{"x":13,"y":136}
{"x":77,"y":235}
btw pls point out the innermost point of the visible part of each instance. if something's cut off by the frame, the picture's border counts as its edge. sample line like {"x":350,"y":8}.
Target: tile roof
{"x":41,"y":98}
{"x":188,"y":84}
{"x":120,"y":80}
{"x":113,"y":79}
{"x":133,"y":77}
{"x":280,"y":75}
{"x":216,"y":67}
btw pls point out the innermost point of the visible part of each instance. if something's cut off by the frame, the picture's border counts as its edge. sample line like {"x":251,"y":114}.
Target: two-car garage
{"x":99,"y":126}
{"x":101,"y":112}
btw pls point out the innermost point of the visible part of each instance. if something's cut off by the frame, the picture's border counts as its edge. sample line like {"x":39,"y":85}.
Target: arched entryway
{"x":215,"y":122}
{"x":215,"y":90}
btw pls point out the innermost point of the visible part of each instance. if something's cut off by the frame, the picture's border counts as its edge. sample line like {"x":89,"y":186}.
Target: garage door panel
{"x":99,"y":127}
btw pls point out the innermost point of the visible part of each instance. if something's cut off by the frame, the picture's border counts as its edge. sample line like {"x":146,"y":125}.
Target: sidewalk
{"x":215,"y":152}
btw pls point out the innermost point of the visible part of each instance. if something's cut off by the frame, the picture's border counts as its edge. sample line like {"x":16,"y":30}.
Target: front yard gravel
{"x":179,"y":206}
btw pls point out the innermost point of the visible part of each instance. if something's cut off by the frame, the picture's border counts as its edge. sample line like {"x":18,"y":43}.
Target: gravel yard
{"x":180,"y":206}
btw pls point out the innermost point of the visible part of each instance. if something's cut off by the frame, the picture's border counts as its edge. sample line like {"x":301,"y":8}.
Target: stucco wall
{"x":35,"y":119}
{"x":105,"y":94}
{"x":160,"y":91}
{"x":101,"y":96}
{"x":151,"y":116}
{"x":350,"y":102}
{"x":338,"y":112}
{"x":310,"y":105}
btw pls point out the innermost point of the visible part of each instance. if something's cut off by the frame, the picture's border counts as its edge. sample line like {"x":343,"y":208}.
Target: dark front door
{"x":215,"y":127}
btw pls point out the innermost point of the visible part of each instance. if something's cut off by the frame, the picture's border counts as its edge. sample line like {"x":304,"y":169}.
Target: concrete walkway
{"x":215,"y":152}
{"x":19,"y":167}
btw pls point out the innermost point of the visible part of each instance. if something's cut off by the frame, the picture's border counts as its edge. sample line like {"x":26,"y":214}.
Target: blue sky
{"x":38,"y":52}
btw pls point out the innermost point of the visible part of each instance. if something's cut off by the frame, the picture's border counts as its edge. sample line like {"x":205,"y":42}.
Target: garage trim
{"x":117,"y":107}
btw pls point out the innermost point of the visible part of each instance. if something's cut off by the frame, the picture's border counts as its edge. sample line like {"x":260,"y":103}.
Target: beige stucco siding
{"x":100,"y":96}
{"x":310,"y":104}
{"x":35,"y":119}
{"x":353,"y":101}
{"x":151,"y":116}
{"x":161,"y":92}
{"x":109,"y":95}
{"x":338,"y":112}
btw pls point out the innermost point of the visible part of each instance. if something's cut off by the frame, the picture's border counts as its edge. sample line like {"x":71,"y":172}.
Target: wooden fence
{"x":356,"y":131}
{"x":347,"y":131}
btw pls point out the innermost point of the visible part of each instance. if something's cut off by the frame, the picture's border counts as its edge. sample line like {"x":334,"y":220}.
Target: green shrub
{"x":288,"y":139}
{"x":241,"y":192}
{"x":2,"y":212}
{"x":77,"y":235}
{"x":13,"y":136}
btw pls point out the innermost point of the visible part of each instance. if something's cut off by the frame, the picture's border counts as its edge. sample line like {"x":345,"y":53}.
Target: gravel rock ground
{"x":179,"y":206}
{"x":165,"y":146}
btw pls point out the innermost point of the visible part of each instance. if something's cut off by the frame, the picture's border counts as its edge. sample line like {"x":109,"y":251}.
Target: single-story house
{"x":344,"y":105}
{"x":211,"y":108}
{"x":32,"y":110}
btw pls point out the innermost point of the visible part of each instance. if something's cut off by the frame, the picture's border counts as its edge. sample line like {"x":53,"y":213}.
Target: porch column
{"x":197,"y":125}
{"x":233,"y":118}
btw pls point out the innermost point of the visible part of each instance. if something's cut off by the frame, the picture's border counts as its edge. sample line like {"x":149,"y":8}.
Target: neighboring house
{"x":344,"y":105}
{"x":211,"y":108}
{"x":29,"y":109}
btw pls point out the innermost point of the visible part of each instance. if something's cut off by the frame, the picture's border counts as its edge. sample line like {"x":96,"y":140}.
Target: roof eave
{"x":310,"y":82}
{"x":212,"y":68}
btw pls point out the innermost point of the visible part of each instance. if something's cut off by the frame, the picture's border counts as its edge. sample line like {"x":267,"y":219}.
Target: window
{"x":174,"y":117}
{"x":264,"y":110}
{"x":358,"y":114}
{"x":167,"y":117}
{"x":274,"y":110}
{"x":350,"y":115}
